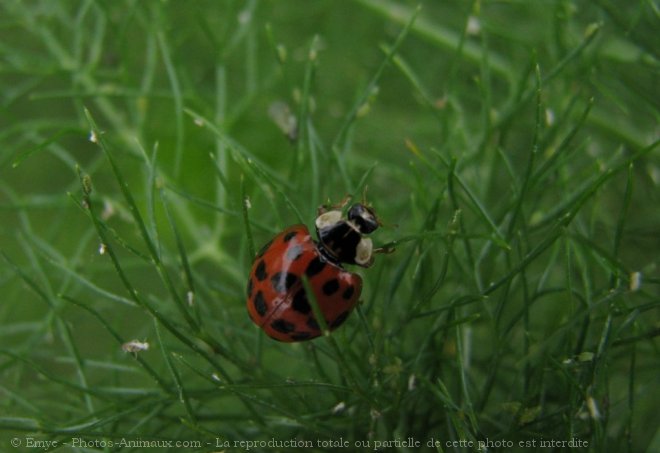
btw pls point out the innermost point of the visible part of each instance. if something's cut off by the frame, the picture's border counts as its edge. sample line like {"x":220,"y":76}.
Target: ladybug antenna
{"x":344,"y":201}
{"x":334,"y":207}
{"x":364,"y":194}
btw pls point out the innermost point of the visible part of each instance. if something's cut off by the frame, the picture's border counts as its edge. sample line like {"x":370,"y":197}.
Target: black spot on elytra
{"x":264,"y":248}
{"x":294,"y":252}
{"x":260,"y":271}
{"x":300,"y":336}
{"x":260,"y":303}
{"x":290,"y":235}
{"x":249,"y":288}
{"x":283,"y":281}
{"x":330,"y":287}
{"x":339,"y":320}
{"x":348,"y":292}
{"x":315,"y":266}
{"x":300,"y":302}
{"x":282,"y":326}
{"x":312,"y":324}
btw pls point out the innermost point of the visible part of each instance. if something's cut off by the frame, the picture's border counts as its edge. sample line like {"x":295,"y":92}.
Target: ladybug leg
{"x":334,"y":207}
{"x":384,"y":250}
{"x":343,"y":202}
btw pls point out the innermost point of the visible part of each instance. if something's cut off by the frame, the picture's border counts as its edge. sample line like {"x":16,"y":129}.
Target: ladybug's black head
{"x":363,"y":217}
{"x":341,"y":238}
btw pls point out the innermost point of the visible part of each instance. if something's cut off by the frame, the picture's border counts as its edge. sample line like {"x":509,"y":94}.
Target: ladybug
{"x":276,"y":297}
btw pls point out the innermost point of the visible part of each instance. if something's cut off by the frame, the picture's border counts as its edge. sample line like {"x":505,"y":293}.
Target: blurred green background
{"x":509,"y":147}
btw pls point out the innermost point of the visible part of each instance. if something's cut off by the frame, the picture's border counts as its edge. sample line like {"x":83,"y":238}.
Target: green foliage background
{"x":509,"y":147}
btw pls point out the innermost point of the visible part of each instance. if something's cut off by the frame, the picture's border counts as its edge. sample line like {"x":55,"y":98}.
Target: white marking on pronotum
{"x":363,"y":251}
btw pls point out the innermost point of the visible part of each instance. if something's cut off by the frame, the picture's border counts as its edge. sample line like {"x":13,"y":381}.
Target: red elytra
{"x":276,"y":297}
